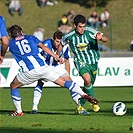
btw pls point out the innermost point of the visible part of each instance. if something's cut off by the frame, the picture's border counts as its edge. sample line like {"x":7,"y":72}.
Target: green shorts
{"x":87,"y":68}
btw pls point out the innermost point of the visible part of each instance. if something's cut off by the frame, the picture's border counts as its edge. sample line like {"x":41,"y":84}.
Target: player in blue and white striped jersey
{"x":24,"y":48}
{"x":62,"y":70}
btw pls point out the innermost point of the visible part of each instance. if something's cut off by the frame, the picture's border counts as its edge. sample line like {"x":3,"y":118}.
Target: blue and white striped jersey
{"x":65,"y":53}
{"x":3,"y":31}
{"x":25,"y":51}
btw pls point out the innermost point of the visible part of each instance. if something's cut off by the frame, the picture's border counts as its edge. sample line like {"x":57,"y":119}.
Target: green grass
{"x":56,"y":112}
{"x":33,"y":16}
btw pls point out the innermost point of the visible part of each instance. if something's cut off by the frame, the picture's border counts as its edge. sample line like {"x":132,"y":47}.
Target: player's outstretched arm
{"x":5,"y":43}
{"x":47,"y":50}
{"x":67,"y":65}
{"x":100,"y":37}
{"x":59,"y":49}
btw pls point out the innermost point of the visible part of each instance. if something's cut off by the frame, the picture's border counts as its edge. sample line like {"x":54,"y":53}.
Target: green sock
{"x":90,"y":91}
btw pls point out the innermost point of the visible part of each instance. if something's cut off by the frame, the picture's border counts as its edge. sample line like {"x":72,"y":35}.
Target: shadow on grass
{"x":110,"y":112}
{"x":8,"y":112}
{"x":22,"y":130}
{"x":35,"y":128}
{"x":126,"y":102}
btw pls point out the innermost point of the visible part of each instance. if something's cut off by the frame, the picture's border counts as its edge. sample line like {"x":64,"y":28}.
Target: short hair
{"x":79,"y":19}
{"x":58,"y":34}
{"x":14,"y":31}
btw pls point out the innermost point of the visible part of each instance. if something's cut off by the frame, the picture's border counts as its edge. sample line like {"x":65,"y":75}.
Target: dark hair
{"x":58,"y":34}
{"x":79,"y":19}
{"x":14,"y":31}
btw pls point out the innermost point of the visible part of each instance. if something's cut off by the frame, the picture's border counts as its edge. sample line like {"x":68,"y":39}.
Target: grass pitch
{"x":57,"y":112}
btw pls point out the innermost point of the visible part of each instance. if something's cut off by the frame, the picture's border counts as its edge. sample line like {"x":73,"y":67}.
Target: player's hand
{"x":59,"y":60}
{"x":99,"y":36}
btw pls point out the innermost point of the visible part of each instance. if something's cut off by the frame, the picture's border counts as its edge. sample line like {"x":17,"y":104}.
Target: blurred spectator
{"x":49,"y":3}
{"x":41,"y":2}
{"x":39,"y":33}
{"x":15,"y":6}
{"x":44,"y":3}
{"x":93,"y":20}
{"x":56,"y":2}
{"x":63,"y":24}
{"x":70,"y":16}
{"x":131,"y":45}
{"x":102,"y":47}
{"x":104,"y":19}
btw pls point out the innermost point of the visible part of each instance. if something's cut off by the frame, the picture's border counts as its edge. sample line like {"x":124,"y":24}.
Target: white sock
{"x":17,"y":105}
{"x":36,"y":98}
{"x":76,"y":97}
{"x":77,"y":89}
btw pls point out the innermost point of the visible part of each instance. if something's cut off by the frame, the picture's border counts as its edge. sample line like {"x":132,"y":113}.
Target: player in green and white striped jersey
{"x":83,"y":41}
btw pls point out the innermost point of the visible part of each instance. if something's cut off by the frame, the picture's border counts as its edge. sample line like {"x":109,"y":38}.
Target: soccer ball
{"x":119,"y":108}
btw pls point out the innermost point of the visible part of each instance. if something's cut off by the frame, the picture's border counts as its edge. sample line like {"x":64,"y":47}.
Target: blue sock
{"x":16,"y":99}
{"x":38,"y":88}
{"x":15,"y":94}
{"x":69,"y":85}
{"x":72,"y":86}
{"x":75,"y":96}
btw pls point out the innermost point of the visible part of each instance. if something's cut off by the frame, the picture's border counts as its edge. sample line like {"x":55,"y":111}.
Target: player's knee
{"x":60,"y":81}
{"x":12,"y":85}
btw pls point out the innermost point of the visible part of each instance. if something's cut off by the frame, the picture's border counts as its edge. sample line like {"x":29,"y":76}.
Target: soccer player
{"x":4,"y":38}
{"x":24,"y":48}
{"x":83,"y":41}
{"x":58,"y":68}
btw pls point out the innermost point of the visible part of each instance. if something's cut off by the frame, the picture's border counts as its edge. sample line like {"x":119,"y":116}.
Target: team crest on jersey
{"x":81,"y":46}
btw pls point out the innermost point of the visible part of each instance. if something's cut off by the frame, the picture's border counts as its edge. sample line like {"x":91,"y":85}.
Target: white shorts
{"x":60,"y":70}
{"x":44,"y":72}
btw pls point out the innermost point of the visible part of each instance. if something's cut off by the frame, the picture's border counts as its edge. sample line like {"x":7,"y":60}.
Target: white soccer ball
{"x":119,"y":108}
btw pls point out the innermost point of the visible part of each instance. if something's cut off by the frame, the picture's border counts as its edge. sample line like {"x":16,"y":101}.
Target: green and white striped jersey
{"x":84,"y":47}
